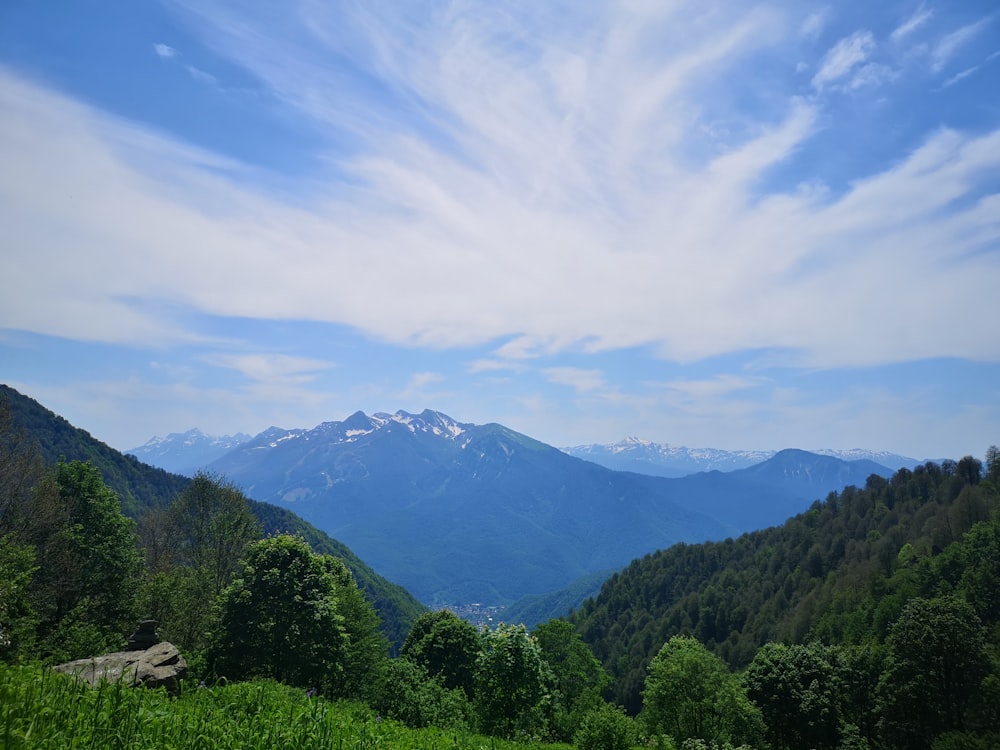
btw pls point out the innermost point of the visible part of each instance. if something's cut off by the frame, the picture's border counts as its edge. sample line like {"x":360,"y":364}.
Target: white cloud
{"x":270,"y":367}
{"x":951,"y":43}
{"x":200,"y":75}
{"x":843,"y":57}
{"x":164,"y":50}
{"x":959,"y":76}
{"x":580,"y":379}
{"x":814,"y":23}
{"x":529,"y":193}
{"x":872,"y":75}
{"x":920,"y":17}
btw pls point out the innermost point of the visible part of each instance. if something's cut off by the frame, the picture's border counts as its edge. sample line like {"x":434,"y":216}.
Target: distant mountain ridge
{"x":186,"y":452}
{"x":458,"y":512}
{"x":666,"y":460}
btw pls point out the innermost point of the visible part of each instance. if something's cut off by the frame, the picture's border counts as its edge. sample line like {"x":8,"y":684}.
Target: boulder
{"x":160,"y":665}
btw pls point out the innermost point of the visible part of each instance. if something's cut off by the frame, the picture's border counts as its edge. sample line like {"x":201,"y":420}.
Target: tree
{"x":85,"y":592}
{"x":936,"y":662}
{"x":214,"y":525}
{"x":993,"y":465}
{"x":446,"y":646}
{"x":579,"y":677}
{"x":795,"y":688}
{"x":279,"y":619}
{"x":512,"y":683}
{"x":297,"y":617}
{"x":690,"y":693}
{"x":193,"y":548}
{"x":17,"y":621}
{"x":408,"y":694}
{"x":365,"y":648}
{"x":606,"y":727}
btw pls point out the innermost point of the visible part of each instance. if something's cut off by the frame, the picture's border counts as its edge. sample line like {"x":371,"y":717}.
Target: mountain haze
{"x":666,"y":460}
{"x":186,"y":452}
{"x":458,"y":512}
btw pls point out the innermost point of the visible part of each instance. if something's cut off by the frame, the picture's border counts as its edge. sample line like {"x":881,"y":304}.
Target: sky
{"x":714,"y":224}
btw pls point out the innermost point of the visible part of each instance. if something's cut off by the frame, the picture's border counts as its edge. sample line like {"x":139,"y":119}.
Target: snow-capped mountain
{"x":186,"y":452}
{"x":663,"y":459}
{"x":666,"y":460}
{"x":460,"y":512}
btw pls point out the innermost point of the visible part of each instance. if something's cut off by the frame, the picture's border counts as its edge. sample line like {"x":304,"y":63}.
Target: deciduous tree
{"x":512,"y":683}
{"x":690,"y":693}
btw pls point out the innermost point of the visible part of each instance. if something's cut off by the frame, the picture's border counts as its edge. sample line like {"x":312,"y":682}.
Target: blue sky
{"x":713,"y":224}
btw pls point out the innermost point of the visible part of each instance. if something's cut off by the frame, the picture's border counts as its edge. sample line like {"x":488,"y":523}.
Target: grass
{"x":42,"y":709}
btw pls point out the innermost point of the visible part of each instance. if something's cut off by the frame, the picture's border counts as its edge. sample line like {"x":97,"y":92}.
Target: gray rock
{"x":160,"y":665}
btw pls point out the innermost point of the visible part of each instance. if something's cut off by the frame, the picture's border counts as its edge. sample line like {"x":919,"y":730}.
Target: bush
{"x":606,"y":728}
{"x":409,"y":695}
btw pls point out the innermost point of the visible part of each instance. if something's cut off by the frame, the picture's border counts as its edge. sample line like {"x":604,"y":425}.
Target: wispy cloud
{"x":843,"y":57}
{"x":920,"y":17}
{"x":946,"y":48}
{"x":814,"y":23}
{"x":509,"y":182}
{"x":580,"y":379}
{"x":200,"y":75}
{"x":962,"y":74}
{"x":270,"y":367}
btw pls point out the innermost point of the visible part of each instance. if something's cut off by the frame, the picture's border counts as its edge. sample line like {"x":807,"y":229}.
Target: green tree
{"x":365,"y":648}
{"x":408,"y":694}
{"x":512,"y":683}
{"x":993,"y":465}
{"x":279,"y":619}
{"x":795,"y":688}
{"x":85,"y":592}
{"x":579,"y":677}
{"x":17,"y":621}
{"x":936,"y":663}
{"x":446,"y":646}
{"x":690,"y":693}
{"x":193,"y":549}
{"x":214,"y":525}
{"x":606,"y":727}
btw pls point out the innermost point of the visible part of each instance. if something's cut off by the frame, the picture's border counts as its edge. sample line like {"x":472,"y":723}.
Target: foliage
{"x":137,"y":485}
{"x":840,"y":573}
{"x":193,"y":549}
{"x":579,"y":677}
{"x":512,"y":683}
{"x":33,"y":439}
{"x":41,"y":709}
{"x":85,"y":593}
{"x":397,"y":608}
{"x":408,"y":694}
{"x":365,"y":648}
{"x":17,"y":621}
{"x":280,"y":620}
{"x":690,"y":693}
{"x":936,"y":663}
{"x":606,"y":727}
{"x":796,"y":690}
{"x":446,"y":646}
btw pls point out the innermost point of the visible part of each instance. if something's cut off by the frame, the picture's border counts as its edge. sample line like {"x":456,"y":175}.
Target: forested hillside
{"x":142,"y":488}
{"x":840,"y":574}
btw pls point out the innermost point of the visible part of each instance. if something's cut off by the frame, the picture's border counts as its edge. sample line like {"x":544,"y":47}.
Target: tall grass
{"x":42,"y":709}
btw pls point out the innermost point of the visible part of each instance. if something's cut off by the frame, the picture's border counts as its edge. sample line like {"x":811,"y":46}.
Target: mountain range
{"x":457,"y":512}
{"x":186,"y":452}
{"x":666,"y":460}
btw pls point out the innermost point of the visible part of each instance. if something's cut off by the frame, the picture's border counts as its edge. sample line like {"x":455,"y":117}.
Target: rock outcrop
{"x":160,"y":665}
